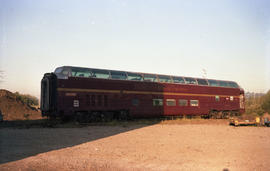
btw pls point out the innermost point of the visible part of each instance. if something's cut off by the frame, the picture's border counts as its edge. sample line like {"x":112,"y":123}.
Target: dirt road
{"x":136,"y":147}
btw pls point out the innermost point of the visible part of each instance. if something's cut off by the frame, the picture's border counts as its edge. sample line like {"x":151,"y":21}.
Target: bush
{"x":27,"y":99}
{"x":258,"y":105}
{"x":266,"y":102}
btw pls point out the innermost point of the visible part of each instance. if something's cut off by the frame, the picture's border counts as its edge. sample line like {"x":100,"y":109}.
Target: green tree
{"x":266,"y":102}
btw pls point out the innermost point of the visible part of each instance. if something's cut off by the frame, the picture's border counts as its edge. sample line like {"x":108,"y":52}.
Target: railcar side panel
{"x":85,"y":90}
{"x":137,"y":97}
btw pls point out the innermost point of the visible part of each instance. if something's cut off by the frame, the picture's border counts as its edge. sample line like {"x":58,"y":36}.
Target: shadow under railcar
{"x":22,"y":139}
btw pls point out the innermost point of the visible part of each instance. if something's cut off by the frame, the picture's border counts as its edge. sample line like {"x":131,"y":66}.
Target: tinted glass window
{"x":223,"y":83}
{"x":100,"y":73}
{"x":81,"y":72}
{"x":134,"y":76}
{"x":190,"y":81}
{"x":183,"y":102}
{"x":135,"y":102}
{"x":194,"y":102}
{"x":65,"y":72}
{"x":202,"y":82}
{"x":170,"y":102}
{"x":118,"y":75}
{"x":233,"y":84}
{"x":178,"y":80}
{"x":148,"y":77}
{"x":163,"y":78}
{"x":157,"y":102}
{"x":213,"y":83}
{"x":58,"y":70}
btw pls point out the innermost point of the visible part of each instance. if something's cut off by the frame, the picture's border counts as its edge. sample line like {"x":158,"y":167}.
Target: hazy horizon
{"x":229,"y":39}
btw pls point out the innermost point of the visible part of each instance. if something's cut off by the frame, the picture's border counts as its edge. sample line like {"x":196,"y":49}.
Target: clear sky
{"x":230,"y":39}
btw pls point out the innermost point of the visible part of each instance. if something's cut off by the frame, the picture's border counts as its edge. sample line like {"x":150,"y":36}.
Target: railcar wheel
{"x":79,"y":117}
{"x":234,"y":113}
{"x":213,"y":114}
{"x":108,"y":116}
{"x":123,"y":115}
{"x":207,"y":116}
{"x":65,"y":118}
{"x":95,"y":117}
{"x":219,"y":115}
{"x":225,"y":115}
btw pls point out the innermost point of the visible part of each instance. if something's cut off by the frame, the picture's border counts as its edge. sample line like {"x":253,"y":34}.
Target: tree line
{"x":258,"y":105}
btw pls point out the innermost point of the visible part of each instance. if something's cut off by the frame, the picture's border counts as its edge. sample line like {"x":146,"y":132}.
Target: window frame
{"x":160,"y":102}
{"x":58,"y":70}
{"x":200,"y":79}
{"x":188,"y":81}
{"x":116,"y":73}
{"x":177,"y":78}
{"x":135,"y":75}
{"x":194,"y":105}
{"x":223,"y":84}
{"x":170,"y":100}
{"x":233,"y":84}
{"x":165,"y":77}
{"x":135,"y":102}
{"x":213,"y":85}
{"x":181,"y":100}
{"x":153,"y":79}
{"x":94,"y":73}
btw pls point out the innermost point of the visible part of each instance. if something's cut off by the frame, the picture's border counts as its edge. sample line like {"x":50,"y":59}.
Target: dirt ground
{"x":13,"y":108}
{"x":210,"y":145}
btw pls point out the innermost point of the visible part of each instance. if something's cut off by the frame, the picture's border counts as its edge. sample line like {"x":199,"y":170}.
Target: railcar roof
{"x":71,"y":71}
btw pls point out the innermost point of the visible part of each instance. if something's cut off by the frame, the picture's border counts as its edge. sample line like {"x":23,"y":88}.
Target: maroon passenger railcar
{"x":97,"y":93}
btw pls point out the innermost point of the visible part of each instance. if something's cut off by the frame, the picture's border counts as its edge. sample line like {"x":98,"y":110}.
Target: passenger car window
{"x":190,"y":80}
{"x":178,"y":80}
{"x":134,"y":76}
{"x":183,"y":102}
{"x":223,"y":84}
{"x":101,"y":73}
{"x":58,"y":70}
{"x":81,"y":72}
{"x":119,"y":75}
{"x":150,"y":77}
{"x":170,"y":102}
{"x":213,"y":83}
{"x":194,"y":102}
{"x":157,"y":102}
{"x":202,"y":82}
{"x":233,"y":85}
{"x":164,"y":78}
{"x":135,"y":102}
{"x":65,"y":72}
